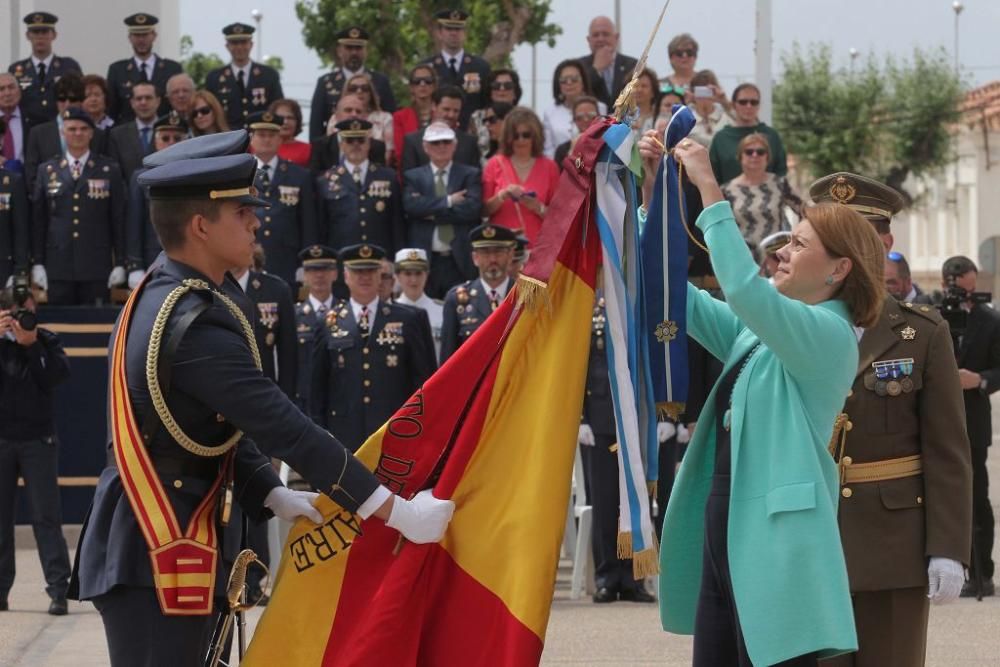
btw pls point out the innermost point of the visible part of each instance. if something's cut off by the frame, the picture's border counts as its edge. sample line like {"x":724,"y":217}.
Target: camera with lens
{"x":952,"y":306}
{"x":14,"y":301}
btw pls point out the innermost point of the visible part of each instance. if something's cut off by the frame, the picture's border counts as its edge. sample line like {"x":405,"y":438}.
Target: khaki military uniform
{"x":905,"y":479}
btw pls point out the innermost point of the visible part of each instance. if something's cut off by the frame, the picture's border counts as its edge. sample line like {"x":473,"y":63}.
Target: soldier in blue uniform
{"x":38,"y":73}
{"x":204,"y":407}
{"x":454,"y":66}
{"x":369,"y":356}
{"x":319,"y":267}
{"x":352,"y":48}
{"x":243,"y":86}
{"x":78,"y":220}
{"x":14,"y":227}
{"x":468,"y":304}
{"x":288,"y":223}
{"x":144,"y":65}
{"x":359,"y":200}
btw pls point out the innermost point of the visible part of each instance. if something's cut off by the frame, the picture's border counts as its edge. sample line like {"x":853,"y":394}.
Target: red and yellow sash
{"x":183,"y":563}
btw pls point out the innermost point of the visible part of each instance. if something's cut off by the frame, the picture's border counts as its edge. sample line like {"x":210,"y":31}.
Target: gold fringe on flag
{"x":531,"y":293}
{"x":671,"y":409}
{"x":624,"y":545}
{"x":646,"y":563}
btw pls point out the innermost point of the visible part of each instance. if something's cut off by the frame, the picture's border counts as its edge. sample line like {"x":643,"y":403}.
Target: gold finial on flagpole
{"x":626,"y":100}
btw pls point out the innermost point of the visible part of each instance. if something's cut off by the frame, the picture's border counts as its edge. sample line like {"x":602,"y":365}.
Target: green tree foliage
{"x":196,"y":64}
{"x":885,"y":120}
{"x":276,"y":62}
{"x":402,"y":30}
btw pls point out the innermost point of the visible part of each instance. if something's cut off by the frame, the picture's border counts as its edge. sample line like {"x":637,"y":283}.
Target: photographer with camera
{"x":32,"y":363}
{"x":975,"y":326}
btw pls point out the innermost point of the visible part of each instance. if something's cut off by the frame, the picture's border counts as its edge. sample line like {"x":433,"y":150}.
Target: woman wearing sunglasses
{"x":493,"y":117}
{"x":504,"y":85}
{"x":683,"y":52}
{"x":417,"y":116}
{"x":724,"y":151}
{"x":569,"y":82}
{"x":361,"y":85}
{"x":207,"y":116}
{"x":759,"y":198}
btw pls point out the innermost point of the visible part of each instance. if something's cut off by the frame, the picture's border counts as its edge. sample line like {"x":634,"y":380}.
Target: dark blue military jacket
{"x":472,"y":77}
{"x":371,"y":213}
{"x":142,"y":245}
{"x":327,"y":94}
{"x":214,"y":387}
{"x":289,"y":225}
{"x":598,"y":409}
{"x":358,"y":384}
{"x":466,"y":307}
{"x":14,"y":215}
{"x":274,"y":328}
{"x":38,"y":98}
{"x":306,"y":331}
{"x":261,"y":89}
{"x":78,"y":227}
{"x":123,"y":74}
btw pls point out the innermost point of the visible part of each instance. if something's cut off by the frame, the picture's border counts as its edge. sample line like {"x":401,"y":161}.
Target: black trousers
{"x":982,"y":517}
{"x":670,"y":454}
{"x":78,"y":293}
{"x":609,"y":571}
{"x":37,"y":461}
{"x":718,"y":638}
{"x":139,"y":635}
{"x":444,"y":275}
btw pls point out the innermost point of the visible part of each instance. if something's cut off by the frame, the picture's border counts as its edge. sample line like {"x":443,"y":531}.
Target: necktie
{"x":364,"y":326}
{"x":241,"y":81}
{"x":445,"y":232}
{"x":321,"y":311}
{"x":494,"y":300}
{"x":265,"y":176}
{"x":8,"y":138}
{"x":41,"y":72}
{"x":76,"y":169}
{"x":609,"y":78}
{"x":453,"y":64}
{"x":144,"y":136}
{"x":143,"y":76}
{"x":356,"y":173}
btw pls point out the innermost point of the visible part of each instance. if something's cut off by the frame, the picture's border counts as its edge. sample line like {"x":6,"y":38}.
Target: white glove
{"x":585,"y":436}
{"x":945,"y":577}
{"x":665,"y":431}
{"x":422,"y":520}
{"x":134,"y":278}
{"x":290,"y":505}
{"x":117,"y":277}
{"x":39,"y":277}
{"x":300,"y":275}
{"x":683,"y":435}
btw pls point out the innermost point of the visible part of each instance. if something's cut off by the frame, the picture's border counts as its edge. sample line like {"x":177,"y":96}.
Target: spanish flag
{"x":494,"y":430}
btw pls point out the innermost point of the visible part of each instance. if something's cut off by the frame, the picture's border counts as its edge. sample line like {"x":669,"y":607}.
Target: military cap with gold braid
{"x":492,"y":236}
{"x":171,"y":121}
{"x":265,"y":120}
{"x":876,"y":201}
{"x":451,"y":18}
{"x":141,"y":22}
{"x":353,"y":36}
{"x":318,"y":256}
{"x":236,"y":32}
{"x":362,"y":256}
{"x":353,"y":128}
{"x":41,"y":21}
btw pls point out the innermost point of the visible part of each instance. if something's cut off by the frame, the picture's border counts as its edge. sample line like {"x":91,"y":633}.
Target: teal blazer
{"x":786,"y":560}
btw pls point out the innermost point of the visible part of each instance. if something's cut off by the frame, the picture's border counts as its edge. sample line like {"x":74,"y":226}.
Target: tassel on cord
{"x":672,"y":409}
{"x":646,"y":563}
{"x":839,"y":436}
{"x":624,"y":545}
{"x":531,"y":293}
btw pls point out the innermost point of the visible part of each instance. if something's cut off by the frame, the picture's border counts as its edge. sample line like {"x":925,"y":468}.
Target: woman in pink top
{"x":518,"y":182}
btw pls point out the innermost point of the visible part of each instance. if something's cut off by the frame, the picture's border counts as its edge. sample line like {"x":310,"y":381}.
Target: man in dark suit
{"x":468,"y":304}
{"x":78,"y":220}
{"x":130,"y":142}
{"x":289,"y":222}
{"x":319,"y":268}
{"x":608,"y":70}
{"x":243,"y":86}
{"x":14,"y":225}
{"x":17,"y":124}
{"x":352,"y":49}
{"x":326,"y":150}
{"x":978,"y":351}
{"x":454,"y":66}
{"x":442,"y":201}
{"x":359,"y":201}
{"x":369,"y":357}
{"x":46,"y":141}
{"x":144,"y":65}
{"x":37,"y":74}
{"x":447,"y":109}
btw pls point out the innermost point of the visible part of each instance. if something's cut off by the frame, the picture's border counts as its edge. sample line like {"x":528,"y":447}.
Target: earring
{"x":829,"y":280}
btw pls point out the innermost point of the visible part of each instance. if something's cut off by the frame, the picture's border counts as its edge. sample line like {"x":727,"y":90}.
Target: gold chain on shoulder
{"x":153,"y":356}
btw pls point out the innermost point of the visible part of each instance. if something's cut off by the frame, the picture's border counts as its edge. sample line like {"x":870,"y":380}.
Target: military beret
{"x":318,"y":257}
{"x":362,"y":256}
{"x":208,"y":145}
{"x":774,"y":242}
{"x":412,"y":259}
{"x":40,"y":20}
{"x":353,"y":127}
{"x":451,"y":18}
{"x":353,"y":36}
{"x":876,"y":201}
{"x":141,"y":22}
{"x":957,"y":266}
{"x":264,"y":120}
{"x":492,"y":236}
{"x":76,"y":113}
{"x":225,"y":177}
{"x":171,"y":121}
{"x":235,"y":32}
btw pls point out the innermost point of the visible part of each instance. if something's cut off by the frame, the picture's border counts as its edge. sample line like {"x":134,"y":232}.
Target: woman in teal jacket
{"x":751,"y":560}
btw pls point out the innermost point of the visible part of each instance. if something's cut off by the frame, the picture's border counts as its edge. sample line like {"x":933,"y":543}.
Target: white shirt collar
{"x":316,"y":303}
{"x":83,"y":158}
{"x":244,"y":280}
{"x":348,"y":73}
{"x":349,"y":166}
{"x":236,"y":69}
{"x":406,"y":301}
{"x":151,"y":61}
{"x":372,"y":309}
{"x":47,"y":61}
{"x":911,"y":295}
{"x":859,"y":332}
{"x":459,"y":57}
{"x":446,"y":169}
{"x":501,"y":288}
{"x":272,"y":164}
{"x":139,"y":124}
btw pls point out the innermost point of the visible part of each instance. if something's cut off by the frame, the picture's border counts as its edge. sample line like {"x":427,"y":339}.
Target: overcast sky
{"x":724,"y":28}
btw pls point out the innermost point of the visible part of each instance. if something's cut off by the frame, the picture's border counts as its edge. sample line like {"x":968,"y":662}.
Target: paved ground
{"x":963,"y":634}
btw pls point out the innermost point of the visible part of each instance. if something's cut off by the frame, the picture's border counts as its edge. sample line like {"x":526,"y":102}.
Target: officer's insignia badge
{"x":473,"y":292}
{"x":386,"y":311}
{"x":341,"y":170}
{"x":256,"y":72}
{"x":471,"y":82}
{"x":489,"y":232}
{"x":259,"y":97}
{"x":909,"y":333}
{"x":315,"y":251}
{"x":268,"y":314}
{"x":98,"y":188}
{"x":343,"y":312}
{"x":842,"y":191}
{"x":380,"y":206}
{"x":892,"y":376}
{"x":140,"y":19}
{"x":331,"y":319}
{"x":365,"y":252}
{"x":460,"y":309}
{"x":288,"y":195}
{"x":306,"y":309}
{"x":354,"y":33}
{"x":391,"y":360}
{"x":269,"y":339}
{"x":4,"y":201}
{"x":38,"y":18}
{"x":255,"y":283}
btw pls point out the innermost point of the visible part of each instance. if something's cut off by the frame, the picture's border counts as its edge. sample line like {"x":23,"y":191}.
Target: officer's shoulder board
{"x":924,"y":310}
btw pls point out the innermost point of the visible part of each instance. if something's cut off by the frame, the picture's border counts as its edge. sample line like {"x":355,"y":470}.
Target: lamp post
{"x":258,"y":16}
{"x":957,"y":7}
{"x":854,"y":56}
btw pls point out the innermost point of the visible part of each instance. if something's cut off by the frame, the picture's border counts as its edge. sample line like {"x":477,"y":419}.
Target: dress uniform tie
{"x":143,"y":75}
{"x":494,"y":300}
{"x":321,"y":311}
{"x":144,"y":137}
{"x":265,"y":176}
{"x":356,"y":173}
{"x":445,"y":232}
{"x":453,"y":64}
{"x":76,"y":170}
{"x":41,"y":73}
{"x":364,"y":326}
{"x":241,"y":81}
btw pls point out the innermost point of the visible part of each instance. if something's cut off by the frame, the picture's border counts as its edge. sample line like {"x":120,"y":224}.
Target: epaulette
{"x":925,"y":310}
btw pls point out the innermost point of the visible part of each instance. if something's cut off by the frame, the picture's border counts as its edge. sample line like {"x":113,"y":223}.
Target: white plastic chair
{"x":579,"y":534}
